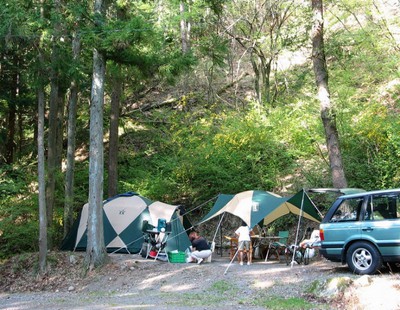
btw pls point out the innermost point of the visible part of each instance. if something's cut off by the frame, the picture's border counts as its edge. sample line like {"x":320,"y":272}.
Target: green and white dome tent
{"x":123,"y":217}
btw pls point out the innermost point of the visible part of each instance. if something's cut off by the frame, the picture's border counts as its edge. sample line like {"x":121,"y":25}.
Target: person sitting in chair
{"x":200,"y":249}
{"x":313,"y":241}
{"x":244,"y":239}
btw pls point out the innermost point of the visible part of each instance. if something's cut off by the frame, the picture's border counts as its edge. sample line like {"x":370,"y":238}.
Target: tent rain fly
{"x":255,"y":206}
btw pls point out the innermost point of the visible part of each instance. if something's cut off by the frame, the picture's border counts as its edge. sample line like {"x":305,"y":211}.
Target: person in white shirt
{"x":244,"y":233}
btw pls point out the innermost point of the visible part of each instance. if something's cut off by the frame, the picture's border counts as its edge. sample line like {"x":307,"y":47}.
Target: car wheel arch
{"x":350,"y":243}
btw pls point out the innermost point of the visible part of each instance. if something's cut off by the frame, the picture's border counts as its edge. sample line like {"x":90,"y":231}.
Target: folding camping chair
{"x":161,"y":246}
{"x":148,"y":239}
{"x":212,"y":248}
{"x":305,"y":250}
{"x":278,"y":247}
{"x":155,"y":242}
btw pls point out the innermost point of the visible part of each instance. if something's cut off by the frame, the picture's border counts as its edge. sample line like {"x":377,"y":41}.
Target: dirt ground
{"x":131,"y":282}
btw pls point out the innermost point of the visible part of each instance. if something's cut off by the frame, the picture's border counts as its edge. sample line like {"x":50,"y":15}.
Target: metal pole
{"x":234,"y":256}
{"x":221,"y":240}
{"x":297,"y":232}
{"x":218,"y":226}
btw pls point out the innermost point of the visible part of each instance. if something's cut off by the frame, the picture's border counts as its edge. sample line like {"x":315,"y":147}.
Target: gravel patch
{"x":131,"y":282}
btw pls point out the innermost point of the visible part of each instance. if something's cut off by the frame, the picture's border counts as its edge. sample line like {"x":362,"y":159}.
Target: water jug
{"x":162,"y":223}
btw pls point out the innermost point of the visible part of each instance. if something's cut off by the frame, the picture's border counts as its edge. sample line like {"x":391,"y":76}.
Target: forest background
{"x":201,"y":97}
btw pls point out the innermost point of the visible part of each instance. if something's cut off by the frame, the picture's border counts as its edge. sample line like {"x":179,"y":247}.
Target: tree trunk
{"x":185,"y":28}
{"x":12,"y":112}
{"x":185,"y":37}
{"x":62,"y":92}
{"x":53,"y":124}
{"x":116,"y":94}
{"x":69,"y":176}
{"x":20,"y":116}
{"x":95,"y":250}
{"x":257,"y":82}
{"x":56,"y":111}
{"x":52,"y":148}
{"x":114,"y":124}
{"x":266,"y":78}
{"x":41,"y":167}
{"x":327,"y":111}
{"x":10,"y":144}
{"x":42,"y":185}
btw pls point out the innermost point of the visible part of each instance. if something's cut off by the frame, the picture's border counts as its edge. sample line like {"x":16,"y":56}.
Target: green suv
{"x":363,"y":230}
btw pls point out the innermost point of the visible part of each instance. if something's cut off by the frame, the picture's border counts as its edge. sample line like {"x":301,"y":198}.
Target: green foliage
{"x":280,"y":303}
{"x":374,"y":155}
{"x":199,"y":158}
{"x":12,"y":181}
{"x":18,"y":213}
{"x":217,"y":292}
{"x":223,"y":286}
{"x":213,"y":48}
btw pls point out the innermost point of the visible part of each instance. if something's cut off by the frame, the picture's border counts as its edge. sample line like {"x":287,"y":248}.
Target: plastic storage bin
{"x":177,"y":257}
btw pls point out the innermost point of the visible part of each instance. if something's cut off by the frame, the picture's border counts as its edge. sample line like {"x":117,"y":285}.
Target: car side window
{"x":348,"y":210}
{"x":385,"y":207}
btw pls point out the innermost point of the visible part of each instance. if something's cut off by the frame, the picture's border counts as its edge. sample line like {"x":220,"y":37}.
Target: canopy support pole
{"x":221,"y":241}
{"x":216,"y":231}
{"x":230,"y":263}
{"x":218,"y":226}
{"x":297,"y":231}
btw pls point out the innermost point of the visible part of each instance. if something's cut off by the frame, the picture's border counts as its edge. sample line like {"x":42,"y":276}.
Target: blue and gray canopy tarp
{"x":256,"y":206}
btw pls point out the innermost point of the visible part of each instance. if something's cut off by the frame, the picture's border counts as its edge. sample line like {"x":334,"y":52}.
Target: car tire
{"x":363,"y":258}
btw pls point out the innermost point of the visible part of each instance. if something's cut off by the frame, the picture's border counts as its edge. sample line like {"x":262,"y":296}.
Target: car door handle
{"x":368,"y":229}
